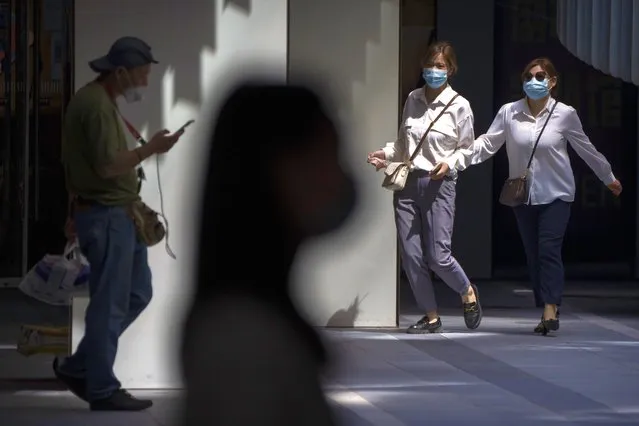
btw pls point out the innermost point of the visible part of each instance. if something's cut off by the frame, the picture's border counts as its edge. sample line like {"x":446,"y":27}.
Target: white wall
{"x":352,"y":46}
{"x":196,"y":42}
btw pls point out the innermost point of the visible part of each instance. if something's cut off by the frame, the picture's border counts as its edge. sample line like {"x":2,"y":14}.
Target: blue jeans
{"x":542,"y":228}
{"x":119,"y":288}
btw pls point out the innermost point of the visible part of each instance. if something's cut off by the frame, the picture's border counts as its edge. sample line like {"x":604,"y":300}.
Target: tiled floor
{"x":501,"y":374}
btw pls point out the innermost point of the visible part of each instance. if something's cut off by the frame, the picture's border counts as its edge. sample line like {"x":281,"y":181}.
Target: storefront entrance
{"x":36,"y":66}
{"x":600,"y":241}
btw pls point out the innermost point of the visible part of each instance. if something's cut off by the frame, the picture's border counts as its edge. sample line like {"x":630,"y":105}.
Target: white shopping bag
{"x":55,"y":278}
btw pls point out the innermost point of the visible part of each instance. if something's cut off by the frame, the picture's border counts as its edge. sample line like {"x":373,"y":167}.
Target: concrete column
{"x":352,"y":48}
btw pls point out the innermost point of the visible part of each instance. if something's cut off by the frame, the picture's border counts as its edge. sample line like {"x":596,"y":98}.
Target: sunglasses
{"x":539,"y":76}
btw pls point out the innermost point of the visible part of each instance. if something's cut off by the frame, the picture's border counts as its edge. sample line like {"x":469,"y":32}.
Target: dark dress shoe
{"x":541,"y":328}
{"x":473,"y":313}
{"x":423,"y":326}
{"x":120,"y":400}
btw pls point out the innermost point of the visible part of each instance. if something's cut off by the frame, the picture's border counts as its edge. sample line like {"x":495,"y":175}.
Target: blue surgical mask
{"x":434,"y":78}
{"x":536,"y":89}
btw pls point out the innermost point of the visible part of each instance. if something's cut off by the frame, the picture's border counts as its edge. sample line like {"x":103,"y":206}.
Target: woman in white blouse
{"x":425,"y":208}
{"x":543,"y":219}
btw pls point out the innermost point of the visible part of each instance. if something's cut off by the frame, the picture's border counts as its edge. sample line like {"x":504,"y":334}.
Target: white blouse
{"x":550,"y":176}
{"x":450,"y":140}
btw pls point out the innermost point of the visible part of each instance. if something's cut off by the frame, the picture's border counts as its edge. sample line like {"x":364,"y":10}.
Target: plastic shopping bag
{"x":55,"y":278}
{"x":38,"y":339}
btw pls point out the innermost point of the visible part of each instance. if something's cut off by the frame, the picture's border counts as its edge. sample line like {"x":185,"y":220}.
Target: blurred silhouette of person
{"x":274,"y":180}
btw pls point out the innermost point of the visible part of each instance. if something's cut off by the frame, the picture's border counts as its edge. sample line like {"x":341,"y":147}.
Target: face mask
{"x":536,"y":89}
{"x":132,"y":93}
{"x":434,"y":78}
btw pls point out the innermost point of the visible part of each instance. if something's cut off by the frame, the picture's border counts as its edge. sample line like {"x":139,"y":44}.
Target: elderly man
{"x":101,"y":176}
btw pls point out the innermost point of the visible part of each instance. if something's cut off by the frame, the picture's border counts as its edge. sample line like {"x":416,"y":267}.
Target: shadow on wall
{"x":244,"y":5}
{"x":177,"y":32}
{"x":309,"y":48}
{"x":345,"y":318}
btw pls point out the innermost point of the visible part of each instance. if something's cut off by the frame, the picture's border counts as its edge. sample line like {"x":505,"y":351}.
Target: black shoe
{"x":423,"y":326}
{"x":76,"y":386}
{"x":473,"y":313}
{"x":549,"y":325}
{"x":121,"y":400}
{"x":541,"y":328}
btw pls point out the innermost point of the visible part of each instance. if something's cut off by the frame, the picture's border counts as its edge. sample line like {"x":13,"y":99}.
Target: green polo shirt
{"x":92,"y":138}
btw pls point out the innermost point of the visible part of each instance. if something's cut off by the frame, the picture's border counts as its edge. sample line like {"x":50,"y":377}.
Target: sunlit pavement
{"x":500,"y":374}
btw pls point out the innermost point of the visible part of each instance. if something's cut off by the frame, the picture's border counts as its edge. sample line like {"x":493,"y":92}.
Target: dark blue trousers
{"x":119,"y":289}
{"x":542,"y":228}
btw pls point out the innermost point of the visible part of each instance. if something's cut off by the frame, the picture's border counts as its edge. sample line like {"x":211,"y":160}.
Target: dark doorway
{"x":36,"y":71}
{"x":601,"y":236}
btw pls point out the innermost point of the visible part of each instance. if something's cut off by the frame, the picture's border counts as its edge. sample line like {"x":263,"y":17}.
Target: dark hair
{"x":283,"y":118}
{"x":545,"y":65}
{"x":446,"y":50}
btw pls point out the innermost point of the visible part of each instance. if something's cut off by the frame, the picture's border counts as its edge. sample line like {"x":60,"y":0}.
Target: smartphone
{"x":187,"y":124}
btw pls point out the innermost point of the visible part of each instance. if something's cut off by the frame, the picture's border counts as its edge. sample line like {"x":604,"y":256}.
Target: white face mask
{"x":133,"y":94}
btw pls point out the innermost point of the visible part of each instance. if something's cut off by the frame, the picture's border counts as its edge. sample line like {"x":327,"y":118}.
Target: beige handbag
{"x":396,"y":173}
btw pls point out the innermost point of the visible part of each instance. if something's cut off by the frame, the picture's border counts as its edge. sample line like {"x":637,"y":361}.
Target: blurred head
{"x":539,"y":79}
{"x":313,"y":192}
{"x":282,"y":150}
{"x":128,"y":65}
{"x":439,"y":64}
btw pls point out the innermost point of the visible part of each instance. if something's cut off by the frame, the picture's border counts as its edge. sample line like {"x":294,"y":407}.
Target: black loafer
{"x":549,"y":325}
{"x":473,"y":313}
{"x":541,"y":328}
{"x":423,"y":326}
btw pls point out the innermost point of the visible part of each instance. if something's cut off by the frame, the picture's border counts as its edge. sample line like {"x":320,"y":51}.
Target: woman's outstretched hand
{"x":616,"y":188}
{"x":440,"y":170}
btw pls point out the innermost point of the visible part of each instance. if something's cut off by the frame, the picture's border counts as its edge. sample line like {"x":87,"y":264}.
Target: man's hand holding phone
{"x":163,"y":141}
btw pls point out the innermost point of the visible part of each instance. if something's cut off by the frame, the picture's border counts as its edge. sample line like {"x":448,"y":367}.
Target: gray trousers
{"x":424,"y":215}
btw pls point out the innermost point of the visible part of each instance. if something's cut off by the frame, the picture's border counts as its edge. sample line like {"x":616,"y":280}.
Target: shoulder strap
{"x":139,"y":139}
{"x":132,"y":130}
{"x":423,"y":139}
{"x":532,"y":154}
